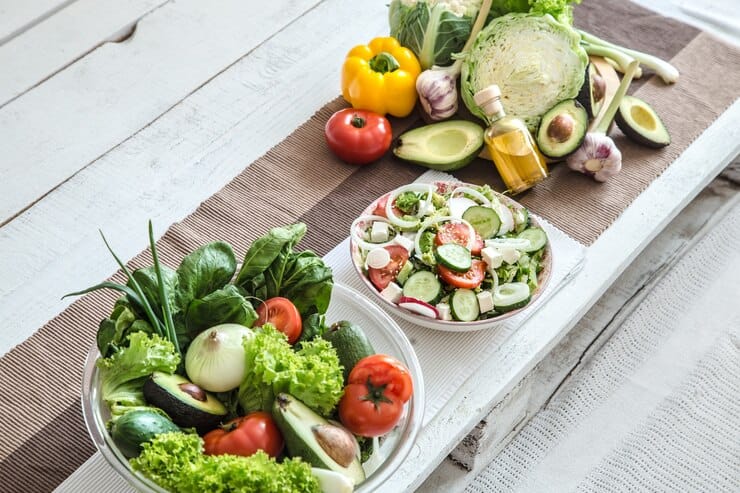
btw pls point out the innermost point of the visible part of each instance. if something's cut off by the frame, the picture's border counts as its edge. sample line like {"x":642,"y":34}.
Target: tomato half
{"x":458,"y":233}
{"x":368,"y":413}
{"x":467,"y":280}
{"x":358,"y":136}
{"x":384,"y":371}
{"x":245,"y":436}
{"x":383,"y":276}
{"x":283,"y":314}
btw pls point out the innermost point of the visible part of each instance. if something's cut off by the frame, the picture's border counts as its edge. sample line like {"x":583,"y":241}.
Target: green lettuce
{"x":433,"y":29}
{"x":535,"y":60}
{"x":562,"y":10}
{"x":311,"y":374}
{"x":124,"y":372}
{"x":176,"y":462}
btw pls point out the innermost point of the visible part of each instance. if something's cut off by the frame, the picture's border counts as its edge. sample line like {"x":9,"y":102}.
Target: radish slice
{"x":377,"y":258}
{"x":418,"y":306}
{"x":357,"y":235}
{"x":458,"y":206}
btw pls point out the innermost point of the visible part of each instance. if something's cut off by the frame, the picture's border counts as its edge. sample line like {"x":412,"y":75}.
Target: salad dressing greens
{"x":471,"y":256}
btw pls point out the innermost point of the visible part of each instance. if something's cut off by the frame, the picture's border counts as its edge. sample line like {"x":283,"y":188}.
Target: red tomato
{"x":382,"y":277}
{"x":386,"y":371}
{"x":372,"y":403}
{"x":245,"y":436}
{"x":358,"y":136}
{"x":467,"y":280}
{"x":366,"y":412}
{"x":283,"y":314}
{"x":380,"y":207}
{"x":458,"y":233}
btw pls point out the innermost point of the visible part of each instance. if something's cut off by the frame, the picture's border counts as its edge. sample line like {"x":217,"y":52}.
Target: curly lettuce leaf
{"x":123,"y":373}
{"x":535,"y":60}
{"x":312,"y":374}
{"x":176,"y":462}
{"x":562,"y":10}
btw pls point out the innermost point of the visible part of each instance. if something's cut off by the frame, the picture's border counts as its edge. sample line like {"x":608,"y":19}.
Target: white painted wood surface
{"x":17,"y":16}
{"x":152,"y":126}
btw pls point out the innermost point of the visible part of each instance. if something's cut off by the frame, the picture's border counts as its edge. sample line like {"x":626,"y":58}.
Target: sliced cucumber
{"x":464,"y":305}
{"x":536,"y":236}
{"x":423,"y":285}
{"x":404,"y":273}
{"x":483,"y":219}
{"x":454,"y":256}
{"x":510,"y":296}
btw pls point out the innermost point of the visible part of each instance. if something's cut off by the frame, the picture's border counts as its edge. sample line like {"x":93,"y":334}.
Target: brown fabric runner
{"x":42,"y":432}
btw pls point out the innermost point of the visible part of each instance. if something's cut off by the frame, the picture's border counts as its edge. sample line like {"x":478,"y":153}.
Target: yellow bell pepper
{"x":381,"y":77}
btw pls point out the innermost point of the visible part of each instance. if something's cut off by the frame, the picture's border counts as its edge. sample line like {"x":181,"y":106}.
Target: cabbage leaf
{"x":534,"y":59}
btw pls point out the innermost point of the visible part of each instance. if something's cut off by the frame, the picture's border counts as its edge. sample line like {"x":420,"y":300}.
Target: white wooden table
{"x":113,"y":112}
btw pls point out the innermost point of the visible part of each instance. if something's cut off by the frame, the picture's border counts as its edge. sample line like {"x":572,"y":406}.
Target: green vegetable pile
{"x":176,"y":462}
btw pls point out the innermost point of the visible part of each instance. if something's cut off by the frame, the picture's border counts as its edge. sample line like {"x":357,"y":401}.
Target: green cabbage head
{"x":433,"y":29}
{"x":535,"y":60}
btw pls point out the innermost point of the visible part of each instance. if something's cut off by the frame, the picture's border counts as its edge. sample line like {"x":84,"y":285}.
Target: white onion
{"x":515,"y":243}
{"x":475,"y":193}
{"x":216,"y":359}
{"x":506,"y":216}
{"x":412,"y":187}
{"x":366,"y":245}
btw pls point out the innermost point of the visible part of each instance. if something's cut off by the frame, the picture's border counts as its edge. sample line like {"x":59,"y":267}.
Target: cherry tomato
{"x":283,"y":314}
{"x":467,"y":280}
{"x":358,"y":136}
{"x":366,"y":412}
{"x":380,"y":207}
{"x":383,"y":276}
{"x":245,"y":436}
{"x":458,"y":233}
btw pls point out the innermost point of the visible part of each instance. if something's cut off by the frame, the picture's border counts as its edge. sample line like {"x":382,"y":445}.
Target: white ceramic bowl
{"x":346,"y":304}
{"x":449,"y":325}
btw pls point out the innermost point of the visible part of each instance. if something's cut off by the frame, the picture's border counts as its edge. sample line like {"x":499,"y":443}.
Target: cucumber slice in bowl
{"x":484,"y":220}
{"x":418,"y":306}
{"x":423,"y":286}
{"x":464,"y":305}
{"x":454,"y":256}
{"x":510,"y":296}
{"x":536,"y":236}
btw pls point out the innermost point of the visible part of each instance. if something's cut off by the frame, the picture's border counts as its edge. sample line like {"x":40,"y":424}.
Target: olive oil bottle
{"x":512,"y":148}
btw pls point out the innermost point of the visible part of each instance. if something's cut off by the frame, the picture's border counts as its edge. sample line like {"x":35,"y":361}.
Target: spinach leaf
{"x":307,"y":281}
{"x":313,"y":326}
{"x":222,"y":306}
{"x":264,"y":251}
{"x":207,"y":269}
{"x":147,"y":279}
{"x":114,"y":330}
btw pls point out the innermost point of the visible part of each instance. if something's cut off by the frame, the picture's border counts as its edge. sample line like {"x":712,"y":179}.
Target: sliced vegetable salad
{"x":218,"y":380}
{"x":450,"y":251}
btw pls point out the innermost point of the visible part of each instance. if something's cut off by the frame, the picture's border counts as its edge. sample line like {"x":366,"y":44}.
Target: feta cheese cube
{"x":492,"y":257}
{"x":404,"y":242}
{"x":485,"y":301}
{"x":392,"y":292}
{"x":511,"y":255}
{"x":426,"y":207}
{"x":443,"y":309}
{"x":379,"y":232}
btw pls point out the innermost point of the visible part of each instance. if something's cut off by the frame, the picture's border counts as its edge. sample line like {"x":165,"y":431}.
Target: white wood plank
{"x":18,"y":15}
{"x":51,"y":45}
{"x":167,"y":169}
{"x":67,"y":122}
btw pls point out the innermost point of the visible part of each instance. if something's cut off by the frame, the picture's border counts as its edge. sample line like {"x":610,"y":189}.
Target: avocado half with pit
{"x":639,"y":122}
{"x":188,"y":405}
{"x":593,"y":91}
{"x":562,"y":129}
{"x":317,"y":441}
{"x":444,"y":146}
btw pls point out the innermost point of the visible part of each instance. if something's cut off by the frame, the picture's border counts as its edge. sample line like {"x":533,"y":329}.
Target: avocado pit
{"x":336,"y":442}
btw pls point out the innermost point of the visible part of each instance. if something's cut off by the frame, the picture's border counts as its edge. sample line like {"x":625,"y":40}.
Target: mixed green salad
{"x":450,"y":251}
{"x":224,"y":380}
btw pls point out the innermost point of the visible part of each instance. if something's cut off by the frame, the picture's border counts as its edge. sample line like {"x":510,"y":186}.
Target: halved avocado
{"x":593,"y":91}
{"x":562,"y":129}
{"x":316,"y":440}
{"x":639,"y":121}
{"x":188,"y":405}
{"x":444,"y":146}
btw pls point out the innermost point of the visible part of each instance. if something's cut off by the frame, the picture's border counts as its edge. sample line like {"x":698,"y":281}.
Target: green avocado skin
{"x":350,"y":342}
{"x":654,"y":138}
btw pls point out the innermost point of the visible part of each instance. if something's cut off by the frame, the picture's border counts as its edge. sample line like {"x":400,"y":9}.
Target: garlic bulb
{"x":437,"y":90}
{"x":598,"y":157}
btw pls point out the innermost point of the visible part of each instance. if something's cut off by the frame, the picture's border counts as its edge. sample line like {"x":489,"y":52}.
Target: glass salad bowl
{"x":429,"y":314}
{"x":346,"y":304}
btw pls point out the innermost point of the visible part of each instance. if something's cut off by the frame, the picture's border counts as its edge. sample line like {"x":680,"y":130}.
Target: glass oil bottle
{"x":512,"y":148}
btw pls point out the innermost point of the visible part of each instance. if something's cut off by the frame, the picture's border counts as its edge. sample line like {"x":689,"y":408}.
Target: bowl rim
{"x":543,"y":278}
{"x":414,"y":408}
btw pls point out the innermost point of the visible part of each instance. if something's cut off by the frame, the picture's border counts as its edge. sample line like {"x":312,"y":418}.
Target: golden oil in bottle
{"x":512,"y":148}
